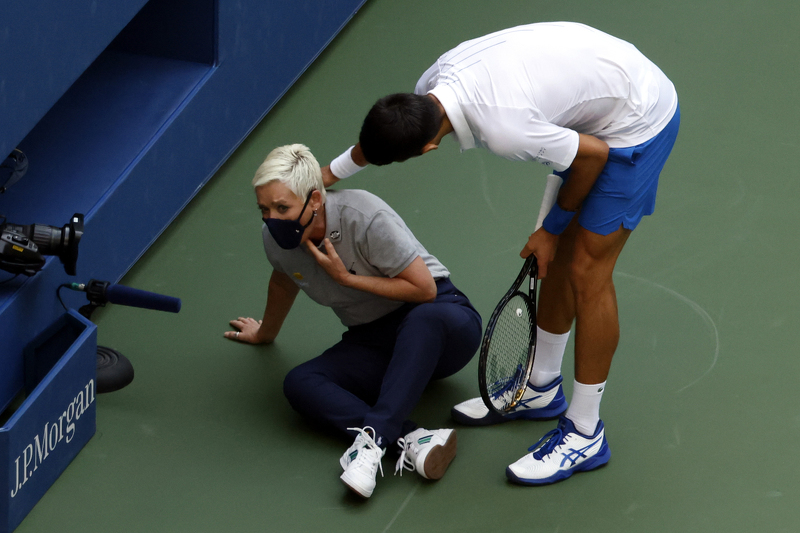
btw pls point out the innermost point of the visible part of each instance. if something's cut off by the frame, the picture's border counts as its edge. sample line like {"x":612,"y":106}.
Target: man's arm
{"x":356,"y":156}
{"x":414,"y":284}
{"x":328,"y":178}
{"x":281,"y":294}
{"x":586,"y":167}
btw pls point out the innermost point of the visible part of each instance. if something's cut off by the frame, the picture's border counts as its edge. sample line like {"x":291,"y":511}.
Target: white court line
{"x":699,"y":310}
{"x":403,"y":506}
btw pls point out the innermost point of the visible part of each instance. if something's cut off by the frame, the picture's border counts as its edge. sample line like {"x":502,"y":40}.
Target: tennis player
{"x":601,"y":115}
{"x":406,"y":322}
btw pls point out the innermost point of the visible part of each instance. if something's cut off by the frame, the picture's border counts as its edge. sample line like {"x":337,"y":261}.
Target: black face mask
{"x":289,"y":233}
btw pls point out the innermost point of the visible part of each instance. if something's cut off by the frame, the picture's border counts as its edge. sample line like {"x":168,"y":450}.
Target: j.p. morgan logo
{"x":53,"y":434}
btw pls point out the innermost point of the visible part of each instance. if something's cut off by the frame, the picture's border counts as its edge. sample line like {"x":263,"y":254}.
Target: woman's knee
{"x":296,"y":383}
{"x":454,"y":329}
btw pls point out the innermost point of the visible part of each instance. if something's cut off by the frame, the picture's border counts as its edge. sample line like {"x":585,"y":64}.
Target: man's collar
{"x":447,"y":97}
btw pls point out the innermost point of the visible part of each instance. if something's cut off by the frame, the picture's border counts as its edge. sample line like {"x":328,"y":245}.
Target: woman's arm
{"x":414,"y":284}
{"x":280,"y":297}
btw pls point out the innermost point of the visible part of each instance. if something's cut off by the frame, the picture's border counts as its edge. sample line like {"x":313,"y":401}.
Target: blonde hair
{"x":295,"y":166}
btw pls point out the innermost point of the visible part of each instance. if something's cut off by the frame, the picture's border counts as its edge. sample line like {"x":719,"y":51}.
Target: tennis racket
{"x":509,"y":342}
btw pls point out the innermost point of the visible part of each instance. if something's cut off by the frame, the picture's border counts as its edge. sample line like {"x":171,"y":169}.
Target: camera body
{"x":23,"y":247}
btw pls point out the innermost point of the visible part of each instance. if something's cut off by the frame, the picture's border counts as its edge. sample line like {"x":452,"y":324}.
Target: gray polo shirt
{"x":371,"y":239}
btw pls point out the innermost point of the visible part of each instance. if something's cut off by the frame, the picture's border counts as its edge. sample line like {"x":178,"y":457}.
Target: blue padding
{"x":95,"y":132}
{"x":46,"y":46}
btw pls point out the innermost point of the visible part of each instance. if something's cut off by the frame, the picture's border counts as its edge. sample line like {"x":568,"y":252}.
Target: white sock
{"x":584,"y":409}
{"x":549,"y":354}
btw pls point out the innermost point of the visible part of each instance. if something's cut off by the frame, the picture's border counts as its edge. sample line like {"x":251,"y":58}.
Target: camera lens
{"x":62,"y":242}
{"x":49,"y":239}
{"x":19,"y":256}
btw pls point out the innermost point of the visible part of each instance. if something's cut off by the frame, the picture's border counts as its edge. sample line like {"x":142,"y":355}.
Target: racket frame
{"x":529,"y":269}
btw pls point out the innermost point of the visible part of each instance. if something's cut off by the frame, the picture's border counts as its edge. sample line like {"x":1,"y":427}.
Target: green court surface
{"x":701,"y":408}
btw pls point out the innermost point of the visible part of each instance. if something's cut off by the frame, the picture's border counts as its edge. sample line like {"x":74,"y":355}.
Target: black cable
{"x":58,"y":293}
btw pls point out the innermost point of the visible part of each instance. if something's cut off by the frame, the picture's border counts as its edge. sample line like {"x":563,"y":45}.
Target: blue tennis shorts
{"x":625,"y":191}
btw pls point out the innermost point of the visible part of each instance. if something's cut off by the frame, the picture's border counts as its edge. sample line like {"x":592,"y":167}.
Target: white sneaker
{"x":538,"y":403}
{"x":429,"y":452}
{"x":361,"y":462}
{"x":561,"y":453}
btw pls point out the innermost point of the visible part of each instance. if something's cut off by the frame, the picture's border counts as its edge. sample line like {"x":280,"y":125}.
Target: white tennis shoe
{"x":559,"y":454}
{"x":429,"y":452}
{"x":361,"y":462}
{"x":538,"y":403}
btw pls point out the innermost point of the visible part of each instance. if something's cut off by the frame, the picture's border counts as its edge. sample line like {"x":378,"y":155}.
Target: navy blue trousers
{"x":376,"y":374}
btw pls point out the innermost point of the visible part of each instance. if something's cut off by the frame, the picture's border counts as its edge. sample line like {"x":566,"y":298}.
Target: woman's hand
{"x":248,"y":331}
{"x":414,"y":284}
{"x":331,"y":263}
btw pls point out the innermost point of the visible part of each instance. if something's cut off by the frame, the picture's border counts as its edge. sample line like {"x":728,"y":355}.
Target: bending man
{"x":604,"y":117}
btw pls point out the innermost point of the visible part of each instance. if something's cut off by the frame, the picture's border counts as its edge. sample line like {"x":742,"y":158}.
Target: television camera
{"x":23,"y":247}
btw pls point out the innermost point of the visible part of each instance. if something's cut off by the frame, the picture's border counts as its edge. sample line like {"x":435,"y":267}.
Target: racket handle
{"x":549,"y":198}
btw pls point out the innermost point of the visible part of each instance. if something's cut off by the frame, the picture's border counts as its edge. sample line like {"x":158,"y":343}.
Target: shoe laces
{"x":507,"y":386}
{"x":404,"y":462}
{"x":369,"y":453}
{"x":547,"y":444}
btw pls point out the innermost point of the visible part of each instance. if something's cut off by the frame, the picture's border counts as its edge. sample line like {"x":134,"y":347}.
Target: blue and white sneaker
{"x":361,"y":462}
{"x":559,"y":454}
{"x":538,"y":403}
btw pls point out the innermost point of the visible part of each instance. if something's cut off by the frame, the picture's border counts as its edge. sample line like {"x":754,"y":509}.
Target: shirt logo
{"x":298,"y":276}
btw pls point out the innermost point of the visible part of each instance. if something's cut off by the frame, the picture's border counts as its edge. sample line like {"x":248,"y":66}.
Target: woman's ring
{"x":237,"y":335}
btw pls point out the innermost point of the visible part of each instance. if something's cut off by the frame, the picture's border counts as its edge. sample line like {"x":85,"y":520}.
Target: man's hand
{"x":331,"y":263}
{"x":247,"y":331}
{"x":543,"y":245}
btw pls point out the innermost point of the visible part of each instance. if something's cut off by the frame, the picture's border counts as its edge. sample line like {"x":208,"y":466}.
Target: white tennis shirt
{"x":371,"y":239}
{"x":526,"y":92}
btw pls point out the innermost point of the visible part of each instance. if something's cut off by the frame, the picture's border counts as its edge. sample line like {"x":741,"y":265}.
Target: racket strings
{"x":507,"y":355}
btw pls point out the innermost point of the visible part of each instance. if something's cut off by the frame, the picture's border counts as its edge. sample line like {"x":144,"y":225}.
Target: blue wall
{"x":125,"y":109}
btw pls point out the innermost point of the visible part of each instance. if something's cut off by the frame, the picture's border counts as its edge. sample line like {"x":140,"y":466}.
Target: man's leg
{"x":555,"y":314}
{"x":579,"y":287}
{"x":584,"y":273}
{"x":596,"y":318}
{"x":555,"y":310}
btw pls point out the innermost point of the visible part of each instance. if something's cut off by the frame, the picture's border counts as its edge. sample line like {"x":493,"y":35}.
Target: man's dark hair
{"x":398,"y":127}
